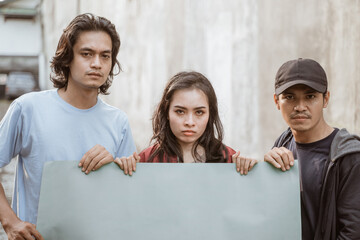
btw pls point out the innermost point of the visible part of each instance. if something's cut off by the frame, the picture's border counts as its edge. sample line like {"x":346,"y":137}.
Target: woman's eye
{"x":289,"y":97}
{"x":179,"y":111}
{"x":107,"y":56}
{"x":199,"y":113}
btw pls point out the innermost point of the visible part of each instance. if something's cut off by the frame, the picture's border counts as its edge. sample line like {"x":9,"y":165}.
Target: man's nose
{"x":95,"y":63}
{"x":300,"y":106}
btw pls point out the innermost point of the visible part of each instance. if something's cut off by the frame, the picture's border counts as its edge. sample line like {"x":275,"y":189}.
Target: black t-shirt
{"x":312,"y":159}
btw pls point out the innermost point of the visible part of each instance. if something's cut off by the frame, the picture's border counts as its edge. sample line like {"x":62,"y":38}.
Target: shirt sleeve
{"x":127,"y":145}
{"x":10,"y":132}
{"x":348,"y":207}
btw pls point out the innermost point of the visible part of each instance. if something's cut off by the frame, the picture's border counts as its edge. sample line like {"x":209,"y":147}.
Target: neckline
{"x":71,"y":107}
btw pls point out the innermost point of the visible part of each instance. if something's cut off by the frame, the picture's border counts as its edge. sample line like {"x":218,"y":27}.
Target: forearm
{"x":7,"y":215}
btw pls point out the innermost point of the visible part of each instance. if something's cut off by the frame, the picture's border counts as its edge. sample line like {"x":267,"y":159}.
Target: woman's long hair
{"x":165,"y":140}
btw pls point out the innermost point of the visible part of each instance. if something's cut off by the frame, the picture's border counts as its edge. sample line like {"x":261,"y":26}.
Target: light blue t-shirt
{"x":41,"y":127}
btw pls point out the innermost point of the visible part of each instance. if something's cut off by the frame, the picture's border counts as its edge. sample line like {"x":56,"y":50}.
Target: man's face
{"x":302,"y":107}
{"x":91,"y":64}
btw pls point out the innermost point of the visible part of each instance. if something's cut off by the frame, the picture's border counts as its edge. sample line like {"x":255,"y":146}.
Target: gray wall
{"x":238,"y":45}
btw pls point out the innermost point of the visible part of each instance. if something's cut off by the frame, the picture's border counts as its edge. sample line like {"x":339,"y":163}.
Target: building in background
{"x":21,"y":44}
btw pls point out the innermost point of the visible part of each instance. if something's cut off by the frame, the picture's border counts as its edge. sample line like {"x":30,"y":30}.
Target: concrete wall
{"x":238,"y":45}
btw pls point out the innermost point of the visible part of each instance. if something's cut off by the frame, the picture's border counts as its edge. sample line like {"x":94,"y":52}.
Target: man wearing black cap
{"x":329,"y":158}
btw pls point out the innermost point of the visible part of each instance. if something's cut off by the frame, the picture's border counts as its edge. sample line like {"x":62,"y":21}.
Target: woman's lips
{"x":188,"y":133}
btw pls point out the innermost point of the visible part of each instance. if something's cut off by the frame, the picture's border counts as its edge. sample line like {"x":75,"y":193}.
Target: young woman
{"x":187,"y":128}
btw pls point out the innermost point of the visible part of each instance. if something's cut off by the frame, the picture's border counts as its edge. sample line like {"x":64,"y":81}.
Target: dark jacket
{"x":339,"y":213}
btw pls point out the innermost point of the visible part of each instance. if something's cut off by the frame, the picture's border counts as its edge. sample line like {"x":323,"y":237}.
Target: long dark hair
{"x":64,"y":52}
{"x":211,"y":140}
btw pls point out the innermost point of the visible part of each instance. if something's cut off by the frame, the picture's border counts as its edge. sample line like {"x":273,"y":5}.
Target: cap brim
{"x":316,"y":86}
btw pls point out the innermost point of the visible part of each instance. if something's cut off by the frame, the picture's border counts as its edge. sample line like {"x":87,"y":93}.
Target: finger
{"x":36,"y":234}
{"x":129,"y":164}
{"x":291,"y":158}
{"x":283,"y":152}
{"x":119,"y":162}
{"x":96,"y":160}
{"x":236,"y":160}
{"x":268,"y":158}
{"x":133,"y":162}
{"x":106,"y":160}
{"x":82,"y":160}
{"x":27,"y":233}
{"x":246,"y":166}
{"x":125,"y":166}
{"x":85,"y":156}
{"x":277,"y":158}
{"x":252,"y":163}
{"x":136,"y":156}
{"x":94,"y":157}
{"x":98,"y":154}
{"x":242,"y":165}
{"x":88,"y":156}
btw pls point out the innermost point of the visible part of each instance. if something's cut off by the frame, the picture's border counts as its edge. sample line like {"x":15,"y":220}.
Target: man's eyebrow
{"x":92,"y":50}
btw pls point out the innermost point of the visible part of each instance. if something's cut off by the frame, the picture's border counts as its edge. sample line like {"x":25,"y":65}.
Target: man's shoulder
{"x":104,"y":106}
{"x":34,"y":100}
{"x":32,"y":97}
{"x":111,"y":114}
{"x":344,"y":143}
{"x":284,"y":138}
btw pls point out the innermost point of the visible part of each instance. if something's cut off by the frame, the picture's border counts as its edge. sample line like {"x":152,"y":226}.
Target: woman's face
{"x":188,"y":115}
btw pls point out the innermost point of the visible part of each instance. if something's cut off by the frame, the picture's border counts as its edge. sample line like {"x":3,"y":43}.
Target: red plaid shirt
{"x":146,"y":153}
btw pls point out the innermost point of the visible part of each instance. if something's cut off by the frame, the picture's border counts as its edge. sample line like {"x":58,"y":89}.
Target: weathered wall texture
{"x":238,"y":45}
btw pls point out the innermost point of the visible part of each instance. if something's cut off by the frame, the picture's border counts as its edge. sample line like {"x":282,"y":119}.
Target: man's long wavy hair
{"x":64,"y":52}
{"x":163,"y":137}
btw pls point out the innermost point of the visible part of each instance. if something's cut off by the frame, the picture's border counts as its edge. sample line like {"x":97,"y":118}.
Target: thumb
{"x":136,"y":156}
{"x":119,"y":162}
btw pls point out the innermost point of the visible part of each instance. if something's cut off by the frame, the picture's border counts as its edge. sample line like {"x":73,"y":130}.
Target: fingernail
{"x":238,"y":169}
{"x":83,"y":169}
{"x":287,"y":167}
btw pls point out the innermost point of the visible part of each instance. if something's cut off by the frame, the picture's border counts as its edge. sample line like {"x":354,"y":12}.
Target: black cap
{"x":301,"y":71}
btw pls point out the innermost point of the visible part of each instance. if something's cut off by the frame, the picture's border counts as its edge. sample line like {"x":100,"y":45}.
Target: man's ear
{"x":276,"y":100}
{"x":326,"y":99}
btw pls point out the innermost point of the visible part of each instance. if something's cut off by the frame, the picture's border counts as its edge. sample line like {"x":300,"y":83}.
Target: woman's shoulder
{"x":146,"y":153}
{"x":228,"y":152}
